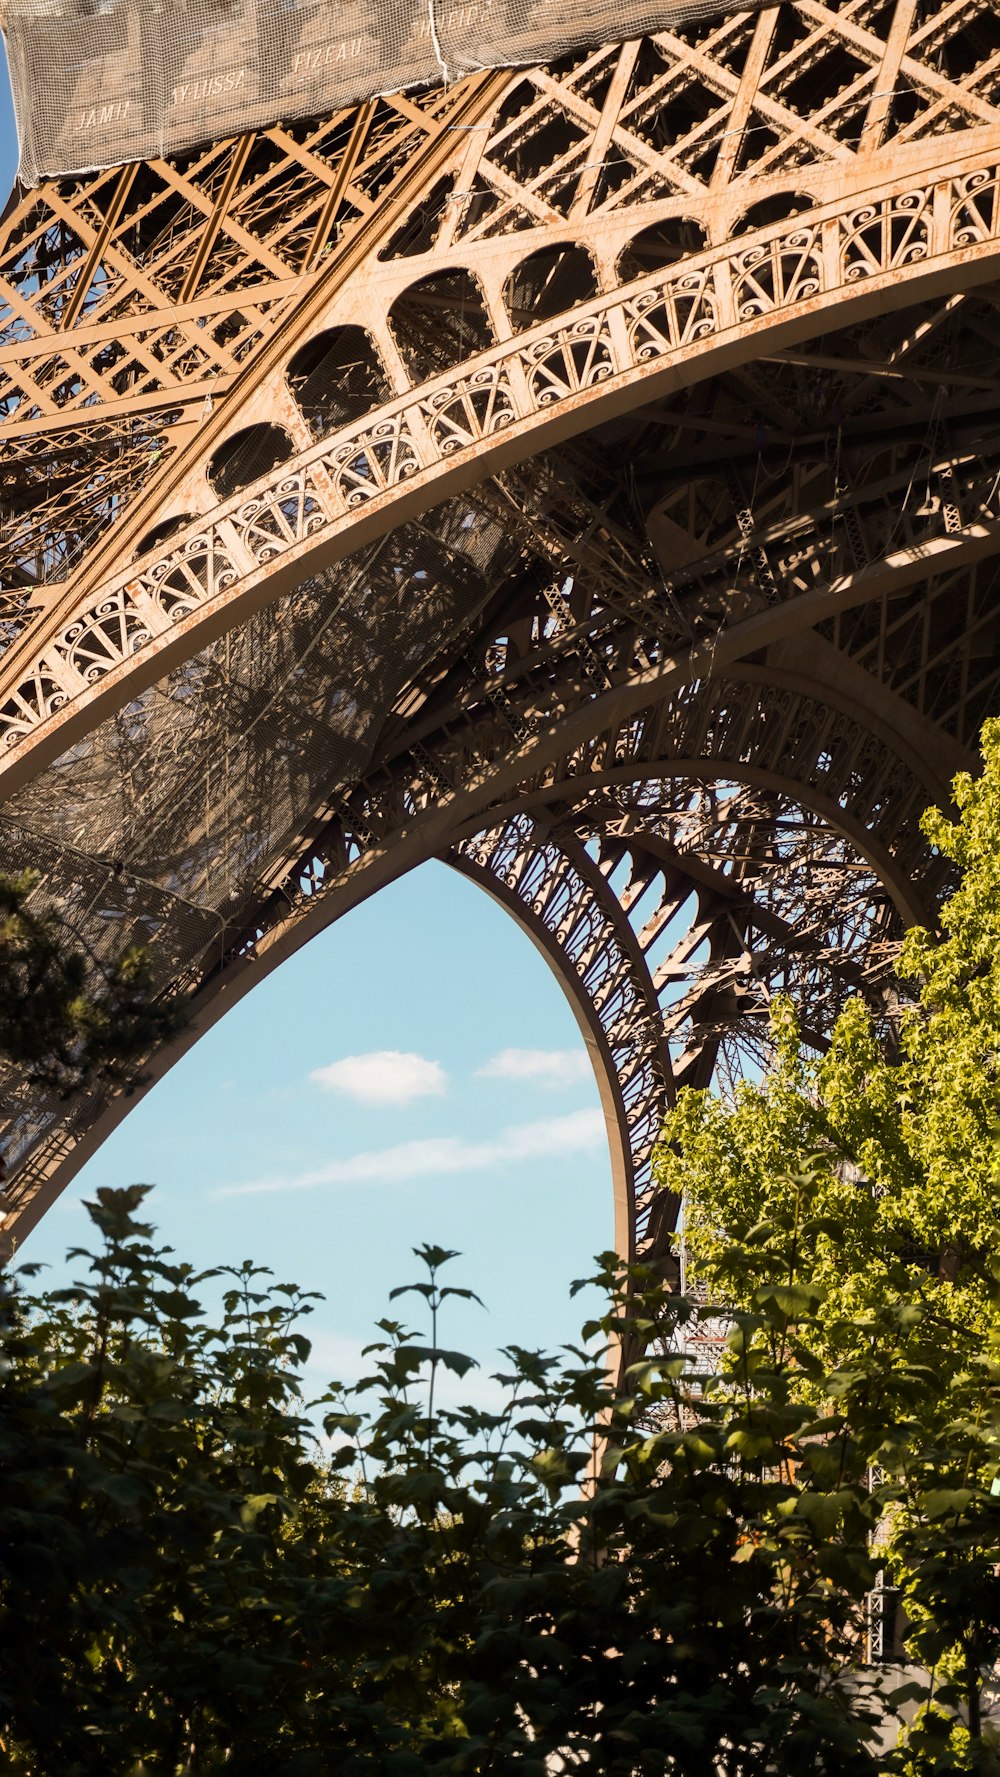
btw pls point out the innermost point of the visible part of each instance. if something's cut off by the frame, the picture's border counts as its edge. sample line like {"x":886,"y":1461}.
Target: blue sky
{"x":414,"y":1075}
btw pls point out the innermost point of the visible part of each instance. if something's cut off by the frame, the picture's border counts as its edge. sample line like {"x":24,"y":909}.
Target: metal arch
{"x":222,"y":267}
{"x":911,"y":905}
{"x":313,"y":895}
{"x":600,"y":360}
{"x":427,"y":805}
{"x":436,"y":810}
{"x":736,"y":724}
{"x":558,"y":896}
{"x":780,"y":577}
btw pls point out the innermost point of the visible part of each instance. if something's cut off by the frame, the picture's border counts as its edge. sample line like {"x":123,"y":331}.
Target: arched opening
{"x":678,"y":237}
{"x":440,"y":322}
{"x":781,"y":206}
{"x":247,"y":456}
{"x":546,"y":283}
{"x":336,"y":378}
{"x":509,"y":1164}
{"x":162,"y":532}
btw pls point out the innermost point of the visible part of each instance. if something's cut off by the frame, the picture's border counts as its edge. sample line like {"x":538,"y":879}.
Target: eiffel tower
{"x":587,"y":474}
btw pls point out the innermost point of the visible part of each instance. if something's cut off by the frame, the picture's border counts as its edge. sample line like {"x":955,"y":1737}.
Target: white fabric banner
{"x":97,"y":82}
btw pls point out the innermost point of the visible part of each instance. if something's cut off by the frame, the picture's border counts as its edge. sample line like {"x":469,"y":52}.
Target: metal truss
{"x":559,"y":896}
{"x":589,"y":475}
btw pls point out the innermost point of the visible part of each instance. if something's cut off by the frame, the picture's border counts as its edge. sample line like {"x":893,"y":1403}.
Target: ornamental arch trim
{"x":704,"y":315}
{"x":305,"y":915}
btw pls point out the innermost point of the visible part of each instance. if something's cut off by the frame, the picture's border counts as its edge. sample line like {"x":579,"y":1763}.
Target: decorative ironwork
{"x":589,"y":475}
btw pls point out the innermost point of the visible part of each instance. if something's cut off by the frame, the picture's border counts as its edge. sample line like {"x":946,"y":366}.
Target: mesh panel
{"x":191,"y":789}
{"x":159,"y":827}
{"x":101,"y":81}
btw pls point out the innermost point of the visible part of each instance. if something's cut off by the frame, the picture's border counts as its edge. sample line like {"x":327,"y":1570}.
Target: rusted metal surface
{"x":589,"y":475}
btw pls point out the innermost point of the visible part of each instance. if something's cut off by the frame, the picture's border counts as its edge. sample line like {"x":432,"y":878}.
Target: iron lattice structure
{"x":588,"y":475}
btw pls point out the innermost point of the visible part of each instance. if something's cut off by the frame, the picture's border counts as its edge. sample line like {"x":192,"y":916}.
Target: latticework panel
{"x":589,"y":474}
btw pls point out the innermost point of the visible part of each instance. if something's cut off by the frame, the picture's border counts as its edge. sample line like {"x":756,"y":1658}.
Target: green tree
{"x":668,"y":1577}
{"x":186,"y":1583}
{"x":67,"y":1017}
{"x":872,"y":1180}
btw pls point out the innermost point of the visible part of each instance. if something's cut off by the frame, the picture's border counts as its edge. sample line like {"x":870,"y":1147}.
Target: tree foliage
{"x":871,"y":1178}
{"x":186,"y":1582}
{"x":67,"y":1017}
{"x":663,"y":1579}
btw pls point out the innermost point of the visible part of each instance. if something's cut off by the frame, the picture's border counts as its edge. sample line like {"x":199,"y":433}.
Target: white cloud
{"x":580,"y":1132}
{"x":385,"y":1076}
{"x":543,"y":1067}
{"x":338,"y":1356}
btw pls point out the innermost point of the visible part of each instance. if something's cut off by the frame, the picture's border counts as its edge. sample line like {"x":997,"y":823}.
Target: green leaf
{"x":945,"y":1500}
{"x":252,"y":1507}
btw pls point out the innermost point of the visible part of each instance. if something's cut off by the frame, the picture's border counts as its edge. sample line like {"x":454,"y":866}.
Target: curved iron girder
{"x":134,"y":288}
{"x":555,"y":891}
{"x":349,"y":861}
{"x":640,"y":690}
{"x":740,"y":727}
{"x":443,"y":782}
{"x":722,"y":308}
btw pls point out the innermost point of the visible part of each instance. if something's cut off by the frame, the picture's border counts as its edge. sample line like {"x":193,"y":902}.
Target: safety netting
{"x":161,"y":827}
{"x":97,"y":82}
